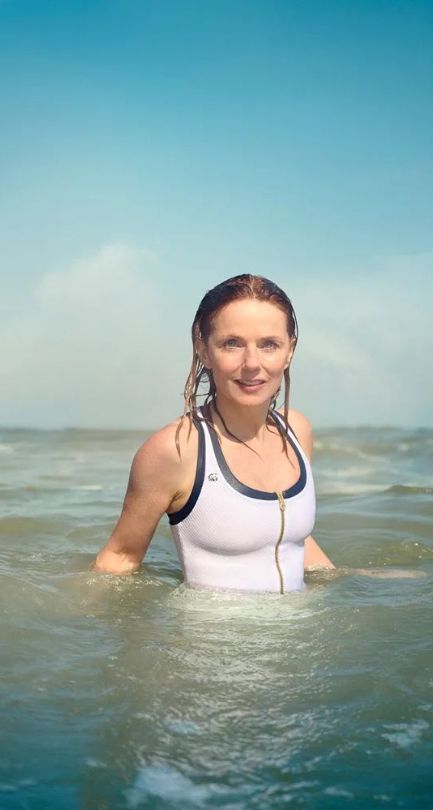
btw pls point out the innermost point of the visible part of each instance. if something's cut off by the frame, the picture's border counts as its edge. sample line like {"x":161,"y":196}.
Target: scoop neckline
{"x":261,"y":494}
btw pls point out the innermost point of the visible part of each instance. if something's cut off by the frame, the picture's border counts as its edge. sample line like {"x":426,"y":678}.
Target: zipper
{"x":282,"y":505}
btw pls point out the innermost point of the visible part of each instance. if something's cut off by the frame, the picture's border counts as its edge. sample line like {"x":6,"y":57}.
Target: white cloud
{"x":104,"y":342}
{"x":366,"y":344}
{"x":89,"y":347}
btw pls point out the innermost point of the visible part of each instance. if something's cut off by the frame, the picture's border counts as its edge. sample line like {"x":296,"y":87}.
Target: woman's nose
{"x":251,"y":357}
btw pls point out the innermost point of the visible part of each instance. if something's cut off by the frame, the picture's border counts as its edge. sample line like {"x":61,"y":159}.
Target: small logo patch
{"x":213,"y":477}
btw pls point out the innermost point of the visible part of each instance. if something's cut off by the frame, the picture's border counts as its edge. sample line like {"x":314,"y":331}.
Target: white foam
{"x":90,"y":487}
{"x":404,"y":735}
{"x":92,"y":762}
{"x":334,"y":790}
{"x":168,"y":784}
{"x":225,"y":605}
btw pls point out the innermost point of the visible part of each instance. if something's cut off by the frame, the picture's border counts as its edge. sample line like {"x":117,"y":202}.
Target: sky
{"x":151,"y":148}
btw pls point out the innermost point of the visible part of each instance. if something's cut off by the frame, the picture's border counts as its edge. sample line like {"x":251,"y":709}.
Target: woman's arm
{"x":314,"y":556}
{"x":153,"y":483}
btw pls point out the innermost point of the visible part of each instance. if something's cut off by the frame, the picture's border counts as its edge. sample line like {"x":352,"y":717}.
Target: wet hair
{"x":240,"y":287}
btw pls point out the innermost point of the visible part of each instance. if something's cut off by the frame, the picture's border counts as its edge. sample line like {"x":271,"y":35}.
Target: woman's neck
{"x":248,"y":424}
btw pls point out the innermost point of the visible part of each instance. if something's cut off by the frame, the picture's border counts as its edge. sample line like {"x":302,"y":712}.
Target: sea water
{"x":136,"y":692}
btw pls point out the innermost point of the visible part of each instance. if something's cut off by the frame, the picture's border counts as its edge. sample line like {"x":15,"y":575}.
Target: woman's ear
{"x":292,"y":348}
{"x":200,"y":347}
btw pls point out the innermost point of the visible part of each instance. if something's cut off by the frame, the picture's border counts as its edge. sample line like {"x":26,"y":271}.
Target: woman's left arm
{"x":314,"y":556}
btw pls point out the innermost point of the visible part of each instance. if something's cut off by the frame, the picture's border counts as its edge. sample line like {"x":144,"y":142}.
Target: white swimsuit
{"x":230,"y":536}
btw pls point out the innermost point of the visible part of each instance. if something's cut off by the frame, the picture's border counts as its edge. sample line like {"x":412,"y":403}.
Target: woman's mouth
{"x":250,"y":385}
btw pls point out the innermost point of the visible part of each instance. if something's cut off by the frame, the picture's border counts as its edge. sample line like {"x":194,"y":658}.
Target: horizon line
{"x":111,"y":429}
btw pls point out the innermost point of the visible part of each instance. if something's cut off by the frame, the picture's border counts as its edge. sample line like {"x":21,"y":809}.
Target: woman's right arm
{"x":154,"y":481}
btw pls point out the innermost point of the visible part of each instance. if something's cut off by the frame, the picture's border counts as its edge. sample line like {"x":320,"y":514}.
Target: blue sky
{"x":150,"y":149}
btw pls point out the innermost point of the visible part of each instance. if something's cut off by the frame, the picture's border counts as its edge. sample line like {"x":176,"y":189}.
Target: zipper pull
{"x":281,"y":500}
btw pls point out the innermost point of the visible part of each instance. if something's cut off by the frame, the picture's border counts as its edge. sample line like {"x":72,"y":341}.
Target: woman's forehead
{"x":247,"y":313}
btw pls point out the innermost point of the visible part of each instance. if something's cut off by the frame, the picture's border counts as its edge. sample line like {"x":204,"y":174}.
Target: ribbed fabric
{"x":227,"y":532}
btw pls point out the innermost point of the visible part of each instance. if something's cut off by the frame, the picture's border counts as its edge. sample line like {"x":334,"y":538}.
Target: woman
{"x":233,"y":476}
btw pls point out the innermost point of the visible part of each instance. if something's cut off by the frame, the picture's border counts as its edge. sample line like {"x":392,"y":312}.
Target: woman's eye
{"x":232,"y":343}
{"x":270,"y":345}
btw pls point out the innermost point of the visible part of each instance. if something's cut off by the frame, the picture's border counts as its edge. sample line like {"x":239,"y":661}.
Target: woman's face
{"x":248,"y":351}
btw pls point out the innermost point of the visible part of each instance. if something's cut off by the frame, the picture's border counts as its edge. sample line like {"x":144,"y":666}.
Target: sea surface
{"x":137,"y":692}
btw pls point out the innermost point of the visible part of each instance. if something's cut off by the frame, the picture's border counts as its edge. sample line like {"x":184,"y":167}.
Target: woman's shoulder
{"x":168,"y":448}
{"x":302,"y":429}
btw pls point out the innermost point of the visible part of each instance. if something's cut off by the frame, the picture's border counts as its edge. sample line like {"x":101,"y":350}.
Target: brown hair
{"x":233,"y":289}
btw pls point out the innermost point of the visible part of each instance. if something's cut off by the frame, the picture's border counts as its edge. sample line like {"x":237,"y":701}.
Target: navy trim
{"x":283,"y":424}
{"x":234,"y":482}
{"x":290,"y":428}
{"x":181,"y":514}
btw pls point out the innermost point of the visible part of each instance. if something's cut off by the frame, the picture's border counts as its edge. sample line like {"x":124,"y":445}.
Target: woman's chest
{"x":271,"y":470}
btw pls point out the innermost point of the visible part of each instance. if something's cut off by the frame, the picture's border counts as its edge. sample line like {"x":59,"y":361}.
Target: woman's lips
{"x":250,"y":385}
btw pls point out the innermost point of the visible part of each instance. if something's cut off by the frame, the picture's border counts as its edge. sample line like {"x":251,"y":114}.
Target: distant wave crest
{"x":406,"y":489}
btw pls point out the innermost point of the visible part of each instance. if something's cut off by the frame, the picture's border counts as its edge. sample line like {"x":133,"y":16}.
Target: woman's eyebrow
{"x":271,"y":337}
{"x":233,"y":336}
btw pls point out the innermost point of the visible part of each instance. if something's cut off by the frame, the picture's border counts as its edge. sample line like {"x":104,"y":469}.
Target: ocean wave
{"x":336,"y":488}
{"x":373,"y":444}
{"x":339,"y":488}
{"x":409,"y":489}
